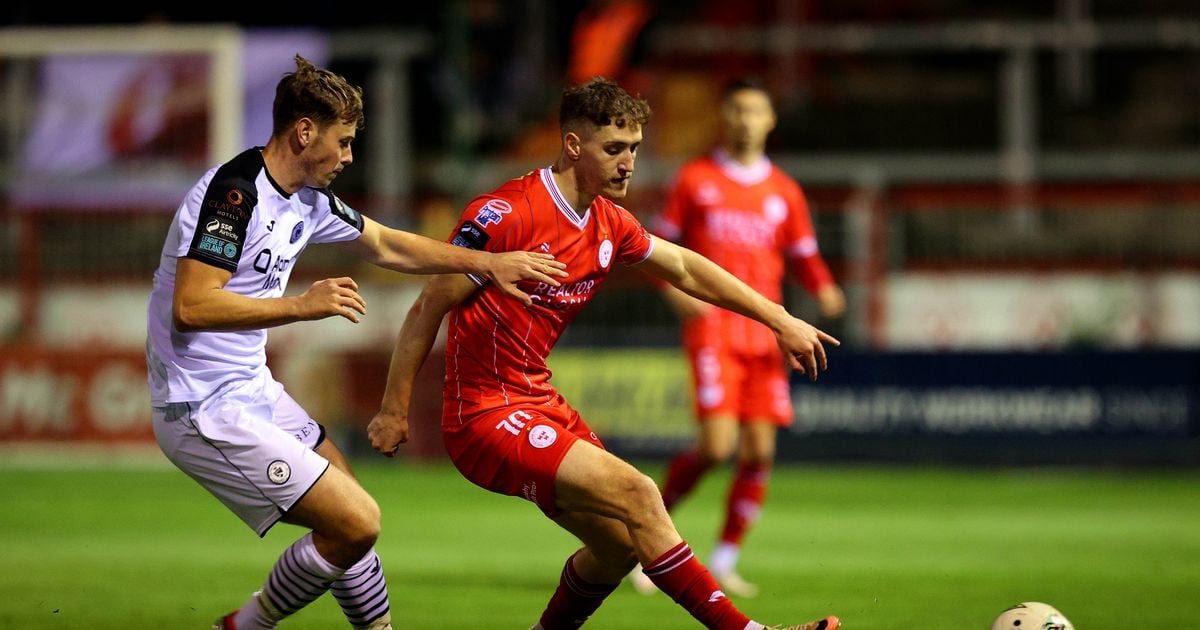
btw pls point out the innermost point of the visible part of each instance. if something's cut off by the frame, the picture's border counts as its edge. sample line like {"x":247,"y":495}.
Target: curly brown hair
{"x":316,"y":93}
{"x":602,"y":102}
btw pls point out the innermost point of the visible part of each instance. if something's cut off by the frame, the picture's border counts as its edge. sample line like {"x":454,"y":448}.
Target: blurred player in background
{"x":736,"y":208}
{"x":219,"y":415}
{"x":503,"y":423}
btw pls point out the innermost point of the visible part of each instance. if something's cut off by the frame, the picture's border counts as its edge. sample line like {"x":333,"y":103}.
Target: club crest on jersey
{"x":542,"y":436}
{"x":775,"y":209}
{"x":297,"y":232}
{"x":708,"y":194}
{"x":493,"y":212}
{"x":279,"y":472}
{"x":606,"y":251}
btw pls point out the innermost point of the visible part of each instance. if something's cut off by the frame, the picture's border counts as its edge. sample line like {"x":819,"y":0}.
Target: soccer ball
{"x":1031,"y":616}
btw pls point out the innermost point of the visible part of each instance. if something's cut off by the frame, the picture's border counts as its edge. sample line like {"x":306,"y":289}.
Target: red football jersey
{"x":497,"y":347}
{"x":747,"y":219}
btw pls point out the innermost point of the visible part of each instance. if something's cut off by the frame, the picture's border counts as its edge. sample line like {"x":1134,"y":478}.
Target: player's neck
{"x":746,"y":156}
{"x":282,"y":168}
{"x":568,"y":186}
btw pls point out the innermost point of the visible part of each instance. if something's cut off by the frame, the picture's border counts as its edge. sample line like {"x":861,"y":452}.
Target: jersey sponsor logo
{"x":273,"y":266}
{"x":279,"y":472}
{"x":493,"y":212}
{"x":563,"y":295}
{"x":542,"y":436}
{"x":297,"y":232}
{"x":233,"y":207}
{"x":738,"y":227}
{"x":471,"y":236}
{"x":222,"y":229}
{"x":606,"y":252}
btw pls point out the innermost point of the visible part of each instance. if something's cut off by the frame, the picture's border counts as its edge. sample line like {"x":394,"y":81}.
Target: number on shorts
{"x":514,"y":422}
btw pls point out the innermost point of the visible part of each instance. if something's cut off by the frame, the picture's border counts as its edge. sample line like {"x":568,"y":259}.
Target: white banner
{"x":114,"y":130}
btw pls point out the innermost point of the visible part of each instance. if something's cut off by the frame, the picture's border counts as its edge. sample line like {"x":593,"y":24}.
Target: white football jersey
{"x":236,"y":218}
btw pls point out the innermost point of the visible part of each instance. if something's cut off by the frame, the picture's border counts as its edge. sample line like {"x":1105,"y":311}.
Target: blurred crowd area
{"x":1008,"y":191}
{"x":993,"y":149}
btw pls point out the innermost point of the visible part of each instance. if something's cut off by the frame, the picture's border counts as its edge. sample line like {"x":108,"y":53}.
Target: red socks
{"x":574,"y":601}
{"x":681,"y":576}
{"x":746,"y":496}
{"x":682,"y":474}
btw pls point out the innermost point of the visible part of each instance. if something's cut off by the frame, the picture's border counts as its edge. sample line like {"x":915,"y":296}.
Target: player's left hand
{"x":803,"y":345}
{"x":387,"y":432}
{"x":509,"y":268}
{"x":832,"y":301}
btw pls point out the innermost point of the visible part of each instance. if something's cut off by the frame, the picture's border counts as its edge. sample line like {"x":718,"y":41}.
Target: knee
{"x":641,"y":499}
{"x":762,"y":461}
{"x":361,"y":528}
{"x":711,"y":454}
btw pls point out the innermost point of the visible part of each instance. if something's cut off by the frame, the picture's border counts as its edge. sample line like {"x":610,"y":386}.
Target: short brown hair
{"x":749,"y":82}
{"x":316,"y":93}
{"x":602,"y":102}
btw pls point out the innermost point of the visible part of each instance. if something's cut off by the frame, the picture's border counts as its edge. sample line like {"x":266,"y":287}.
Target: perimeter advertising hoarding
{"x":1003,"y":407}
{"x":1064,"y":407}
{"x":76,"y":396}
{"x":1072,"y":407}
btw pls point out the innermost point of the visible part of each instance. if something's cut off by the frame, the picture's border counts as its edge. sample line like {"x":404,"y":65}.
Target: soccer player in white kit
{"x":218,"y":413}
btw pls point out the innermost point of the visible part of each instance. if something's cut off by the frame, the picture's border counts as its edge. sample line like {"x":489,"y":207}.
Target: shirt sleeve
{"x":801,"y":245}
{"x":669,"y":223}
{"x":217,"y":225}
{"x":633,"y":242}
{"x":336,"y":221}
{"x":487,"y":225}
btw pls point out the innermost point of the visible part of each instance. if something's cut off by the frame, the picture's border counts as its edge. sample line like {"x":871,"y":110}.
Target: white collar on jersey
{"x":580,"y":220}
{"x":746,"y":175}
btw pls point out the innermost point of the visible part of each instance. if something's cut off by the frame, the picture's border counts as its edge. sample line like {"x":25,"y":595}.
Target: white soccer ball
{"x":1032,"y":616}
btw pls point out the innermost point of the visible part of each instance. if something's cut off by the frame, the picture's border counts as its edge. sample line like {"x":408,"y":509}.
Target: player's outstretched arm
{"x":201,"y":301}
{"x":699,"y":277}
{"x":412,"y":253}
{"x":389,"y":428}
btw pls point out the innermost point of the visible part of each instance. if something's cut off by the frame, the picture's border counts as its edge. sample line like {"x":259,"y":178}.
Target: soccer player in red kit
{"x":505,"y":426}
{"x":736,"y":208}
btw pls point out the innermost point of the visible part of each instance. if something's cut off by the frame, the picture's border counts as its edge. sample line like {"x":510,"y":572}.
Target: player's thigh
{"x":718,"y":437}
{"x":337,"y":506}
{"x":331,"y":452}
{"x":758,"y":441}
{"x":590,"y":479}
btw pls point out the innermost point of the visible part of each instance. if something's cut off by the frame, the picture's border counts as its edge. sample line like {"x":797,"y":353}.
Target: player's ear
{"x":572,"y":145}
{"x":306,"y":131}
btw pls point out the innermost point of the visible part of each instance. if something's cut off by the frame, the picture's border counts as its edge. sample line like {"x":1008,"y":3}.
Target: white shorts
{"x":249,"y":444}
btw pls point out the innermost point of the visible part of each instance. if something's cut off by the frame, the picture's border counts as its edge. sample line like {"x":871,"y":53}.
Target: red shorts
{"x":516,"y":450}
{"x":746,"y":387}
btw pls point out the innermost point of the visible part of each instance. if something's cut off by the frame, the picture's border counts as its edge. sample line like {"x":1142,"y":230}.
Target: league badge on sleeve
{"x":492,"y":212}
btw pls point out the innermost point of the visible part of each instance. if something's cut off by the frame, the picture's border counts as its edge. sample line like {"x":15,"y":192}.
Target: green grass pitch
{"x":97,"y":546}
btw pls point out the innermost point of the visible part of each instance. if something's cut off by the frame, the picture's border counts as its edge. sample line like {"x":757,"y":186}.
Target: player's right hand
{"x":803,"y":345}
{"x":332,"y":296}
{"x":387,"y":432}
{"x":509,"y":268}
